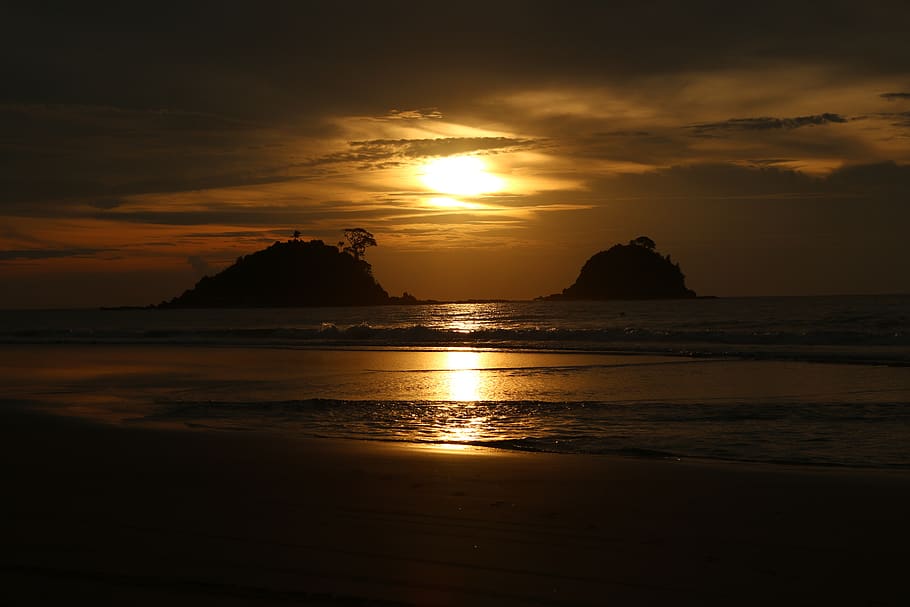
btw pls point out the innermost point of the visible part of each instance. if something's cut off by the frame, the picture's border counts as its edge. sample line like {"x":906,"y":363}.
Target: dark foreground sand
{"x":118,"y":515}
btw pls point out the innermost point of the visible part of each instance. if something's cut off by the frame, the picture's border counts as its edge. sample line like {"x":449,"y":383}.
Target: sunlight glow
{"x":464,"y":430}
{"x":464,"y":376}
{"x":441,"y":202}
{"x":460,"y":175}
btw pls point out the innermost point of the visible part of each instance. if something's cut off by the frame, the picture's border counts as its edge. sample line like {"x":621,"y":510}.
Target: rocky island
{"x":300,"y":273}
{"x":293,"y":273}
{"x":632,"y":271}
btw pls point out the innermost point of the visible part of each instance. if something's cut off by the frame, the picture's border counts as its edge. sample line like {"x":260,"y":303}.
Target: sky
{"x":490,"y":147}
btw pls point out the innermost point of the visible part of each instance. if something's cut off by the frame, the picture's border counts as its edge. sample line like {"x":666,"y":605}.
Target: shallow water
{"x":632,"y":404}
{"x":855,"y":329}
{"x":815,"y":380}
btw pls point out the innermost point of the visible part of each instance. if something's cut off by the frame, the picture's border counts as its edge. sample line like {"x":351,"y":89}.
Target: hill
{"x":632,"y":271}
{"x":288,"y":274}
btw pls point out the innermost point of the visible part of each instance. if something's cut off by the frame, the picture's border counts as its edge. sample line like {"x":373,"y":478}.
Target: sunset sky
{"x":490,"y":147}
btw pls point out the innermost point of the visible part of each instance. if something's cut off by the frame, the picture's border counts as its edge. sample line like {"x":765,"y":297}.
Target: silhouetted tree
{"x":644,"y":241}
{"x":296,"y":235}
{"x":289,"y":274}
{"x":358,"y":241}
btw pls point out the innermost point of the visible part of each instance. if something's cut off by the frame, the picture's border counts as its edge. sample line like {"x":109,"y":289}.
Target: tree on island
{"x":295,"y":273}
{"x":288,"y":274}
{"x":358,"y":240}
{"x":644,"y":241}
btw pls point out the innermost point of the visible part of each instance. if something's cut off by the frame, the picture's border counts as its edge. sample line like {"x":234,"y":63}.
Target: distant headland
{"x":631,"y":271}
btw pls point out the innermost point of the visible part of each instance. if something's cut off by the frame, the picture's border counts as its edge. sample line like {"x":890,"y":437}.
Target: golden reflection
{"x":462,"y":383}
{"x":463,"y":431}
{"x":460,"y":175}
{"x":463,"y":376}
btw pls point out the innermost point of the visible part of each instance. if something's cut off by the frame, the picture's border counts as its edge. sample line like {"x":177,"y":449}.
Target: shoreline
{"x":20,"y":410}
{"x":148,"y":515}
{"x":356,"y":444}
{"x":789,"y":413}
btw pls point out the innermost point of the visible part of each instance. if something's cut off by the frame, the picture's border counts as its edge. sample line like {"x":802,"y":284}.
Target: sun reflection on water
{"x":463,"y":375}
{"x":463,"y":431}
{"x":461,"y":421}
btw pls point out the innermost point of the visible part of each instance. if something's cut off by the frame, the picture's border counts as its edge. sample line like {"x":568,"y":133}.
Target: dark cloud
{"x":29,"y":254}
{"x":899,"y":119}
{"x":419,"y":148}
{"x":297,"y":58}
{"x":887,"y":180}
{"x":106,"y":204}
{"x":708,"y":180}
{"x":98,"y":154}
{"x":267,"y":234}
{"x":770,"y":162}
{"x":623,"y":134}
{"x":883,"y":178}
{"x":419,"y":114}
{"x":386,"y":152}
{"x":767,"y":123}
{"x":894,"y":96}
{"x":663,"y":147}
{"x":200,"y":266}
{"x":260,"y":216}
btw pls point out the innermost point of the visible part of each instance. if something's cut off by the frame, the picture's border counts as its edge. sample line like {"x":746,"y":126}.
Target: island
{"x":294,"y":273}
{"x":631,"y":271}
{"x":301,"y":273}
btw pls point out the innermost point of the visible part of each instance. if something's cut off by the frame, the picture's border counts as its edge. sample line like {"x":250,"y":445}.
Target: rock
{"x":287,"y":274}
{"x":632,"y":271}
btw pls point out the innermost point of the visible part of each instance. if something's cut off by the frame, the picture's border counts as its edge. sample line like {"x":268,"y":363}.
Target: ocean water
{"x":812,"y":381}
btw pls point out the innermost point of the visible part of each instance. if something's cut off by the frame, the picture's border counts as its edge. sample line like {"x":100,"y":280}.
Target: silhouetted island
{"x":290,"y":274}
{"x":632,"y":271}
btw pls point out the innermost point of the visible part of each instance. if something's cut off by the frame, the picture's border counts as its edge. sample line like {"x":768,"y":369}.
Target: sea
{"x":800,"y":381}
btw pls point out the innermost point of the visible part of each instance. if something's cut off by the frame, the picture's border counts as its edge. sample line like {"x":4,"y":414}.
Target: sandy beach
{"x":131,"y":515}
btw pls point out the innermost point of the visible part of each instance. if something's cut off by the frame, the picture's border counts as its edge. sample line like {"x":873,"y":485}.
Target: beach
{"x":488,"y":454}
{"x":146,"y":516}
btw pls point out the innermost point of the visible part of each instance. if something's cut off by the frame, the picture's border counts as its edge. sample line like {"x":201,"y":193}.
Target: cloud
{"x":881,"y":178}
{"x":707,"y":180}
{"x":419,"y":114}
{"x":264,"y":216}
{"x":895,"y":96}
{"x":419,"y":148}
{"x":106,"y":204}
{"x":97,"y":154}
{"x":282,"y":68}
{"x":623,"y":134}
{"x":200,"y":266}
{"x":887,"y":181}
{"x":376,"y":153}
{"x":262,"y":234}
{"x":900,"y":119}
{"x":30,"y":254}
{"x":768,"y":123}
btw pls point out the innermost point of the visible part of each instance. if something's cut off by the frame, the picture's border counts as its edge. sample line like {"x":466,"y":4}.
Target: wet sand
{"x":142,"y":516}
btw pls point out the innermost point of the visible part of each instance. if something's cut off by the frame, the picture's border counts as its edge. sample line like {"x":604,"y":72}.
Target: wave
{"x":869,"y":347}
{"x":425,"y":335}
{"x":769,"y":432}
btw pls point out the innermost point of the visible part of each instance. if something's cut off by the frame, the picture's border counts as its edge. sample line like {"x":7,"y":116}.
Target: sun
{"x":460,"y":175}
